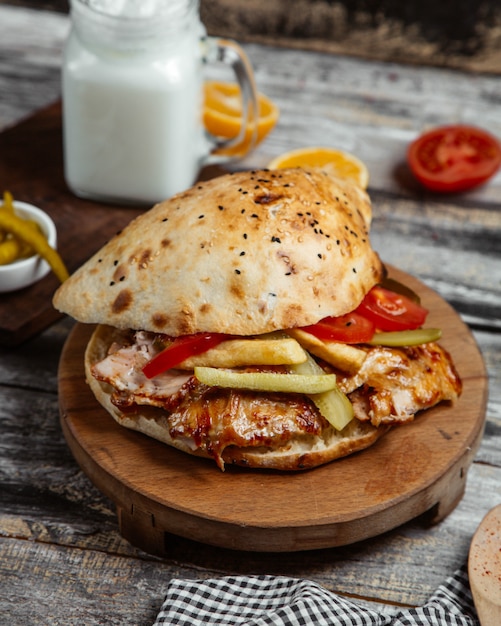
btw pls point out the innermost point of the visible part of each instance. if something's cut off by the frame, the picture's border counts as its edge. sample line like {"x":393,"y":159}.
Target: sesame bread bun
{"x":245,"y":253}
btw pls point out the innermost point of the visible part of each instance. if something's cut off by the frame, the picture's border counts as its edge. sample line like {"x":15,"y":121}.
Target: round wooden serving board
{"x":414,"y":469}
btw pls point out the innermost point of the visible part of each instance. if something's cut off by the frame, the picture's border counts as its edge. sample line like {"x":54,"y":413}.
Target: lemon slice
{"x":222,"y":114}
{"x":334,"y":161}
{"x":266,"y":381}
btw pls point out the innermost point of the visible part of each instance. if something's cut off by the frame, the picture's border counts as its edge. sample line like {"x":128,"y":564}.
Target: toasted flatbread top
{"x":245,"y":253}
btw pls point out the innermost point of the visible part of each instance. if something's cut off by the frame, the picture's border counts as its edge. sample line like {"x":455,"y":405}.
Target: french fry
{"x":342,"y":356}
{"x":259,"y":351}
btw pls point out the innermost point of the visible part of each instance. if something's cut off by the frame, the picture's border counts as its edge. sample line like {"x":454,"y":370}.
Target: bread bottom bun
{"x":308,"y":452}
{"x":301,"y":452}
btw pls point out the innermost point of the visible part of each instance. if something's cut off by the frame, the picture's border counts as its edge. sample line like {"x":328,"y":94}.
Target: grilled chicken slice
{"x":393,"y":384}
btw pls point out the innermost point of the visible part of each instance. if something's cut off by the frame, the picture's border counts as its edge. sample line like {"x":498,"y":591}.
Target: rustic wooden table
{"x":62,"y":558}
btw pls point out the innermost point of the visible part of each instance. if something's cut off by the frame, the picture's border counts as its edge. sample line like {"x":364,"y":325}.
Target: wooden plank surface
{"x":417,"y":31}
{"x":61,"y":555}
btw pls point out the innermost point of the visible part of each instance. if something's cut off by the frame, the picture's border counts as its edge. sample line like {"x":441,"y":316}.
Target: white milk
{"x":132,"y":98}
{"x":132,"y":110}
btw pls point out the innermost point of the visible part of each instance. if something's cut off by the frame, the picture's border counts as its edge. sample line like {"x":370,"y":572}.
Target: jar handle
{"x":229,"y":52}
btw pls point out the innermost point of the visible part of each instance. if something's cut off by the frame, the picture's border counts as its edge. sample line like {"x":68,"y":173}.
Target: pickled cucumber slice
{"x":266,"y":381}
{"x":402,"y":338}
{"x":334,"y":405}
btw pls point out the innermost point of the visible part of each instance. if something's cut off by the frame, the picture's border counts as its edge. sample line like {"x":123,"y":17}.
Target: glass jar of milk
{"x":132,"y":98}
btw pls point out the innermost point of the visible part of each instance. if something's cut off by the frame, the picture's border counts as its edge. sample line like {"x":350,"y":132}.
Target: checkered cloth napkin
{"x":282,"y":601}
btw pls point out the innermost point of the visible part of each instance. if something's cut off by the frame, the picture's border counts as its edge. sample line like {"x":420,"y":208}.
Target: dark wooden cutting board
{"x":416,"y":469}
{"x":31,"y":168}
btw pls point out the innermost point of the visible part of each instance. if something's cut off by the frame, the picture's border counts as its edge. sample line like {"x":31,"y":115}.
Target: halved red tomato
{"x":454,"y":158}
{"x":349,"y":328}
{"x":391,"y":311}
{"x":180,"y":349}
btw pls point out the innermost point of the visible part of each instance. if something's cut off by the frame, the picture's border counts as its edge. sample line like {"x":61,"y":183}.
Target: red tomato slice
{"x":391,"y":311}
{"x":454,"y":158}
{"x":180,"y":349}
{"x":350,"y":328}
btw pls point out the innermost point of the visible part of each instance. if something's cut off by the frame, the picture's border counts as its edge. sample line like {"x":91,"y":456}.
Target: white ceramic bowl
{"x":25,"y":272}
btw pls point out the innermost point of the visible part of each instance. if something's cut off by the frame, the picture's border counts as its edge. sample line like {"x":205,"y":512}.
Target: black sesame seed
{"x":200,"y":217}
{"x":112,"y":283}
{"x":237,"y":272}
{"x":165,"y":219}
{"x":115,"y":262}
{"x":221,"y":207}
{"x":276,"y":239}
{"x":254,"y":215}
{"x":245,"y":235}
{"x":242,"y":253}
